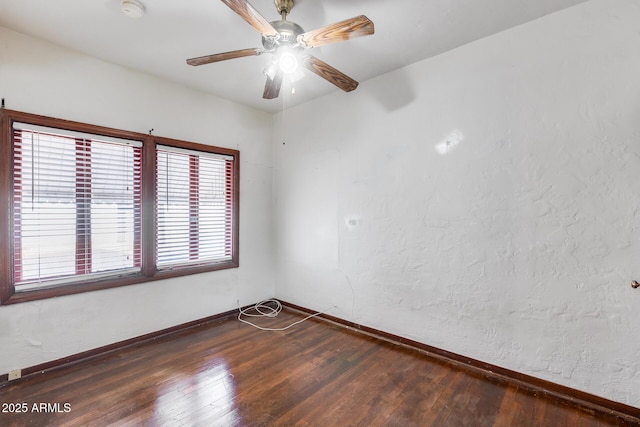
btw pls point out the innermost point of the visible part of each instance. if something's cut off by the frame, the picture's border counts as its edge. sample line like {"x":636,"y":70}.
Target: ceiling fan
{"x":287,"y":42}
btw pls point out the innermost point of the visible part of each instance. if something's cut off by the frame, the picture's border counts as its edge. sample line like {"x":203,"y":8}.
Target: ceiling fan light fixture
{"x":295,"y":76}
{"x":132,"y":8}
{"x":270,"y":71}
{"x":288,"y":62}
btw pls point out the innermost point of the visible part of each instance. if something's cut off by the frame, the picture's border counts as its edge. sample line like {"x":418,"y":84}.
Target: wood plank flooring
{"x":227,"y":373}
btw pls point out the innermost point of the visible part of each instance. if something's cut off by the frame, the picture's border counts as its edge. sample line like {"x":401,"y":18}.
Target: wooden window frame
{"x":147,"y":239}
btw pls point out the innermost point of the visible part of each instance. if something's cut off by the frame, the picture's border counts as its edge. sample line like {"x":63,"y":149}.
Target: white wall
{"x":39,"y":77}
{"x":516,"y":245}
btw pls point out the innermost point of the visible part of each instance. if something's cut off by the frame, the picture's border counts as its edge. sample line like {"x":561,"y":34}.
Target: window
{"x":76,"y":206}
{"x":85,"y":207}
{"x":193,"y":207}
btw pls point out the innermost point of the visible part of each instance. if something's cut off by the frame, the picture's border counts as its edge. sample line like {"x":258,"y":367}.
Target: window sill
{"x":112,"y":282}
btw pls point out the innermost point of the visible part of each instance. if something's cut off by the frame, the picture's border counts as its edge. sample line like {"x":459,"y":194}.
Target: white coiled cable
{"x":269,"y":308}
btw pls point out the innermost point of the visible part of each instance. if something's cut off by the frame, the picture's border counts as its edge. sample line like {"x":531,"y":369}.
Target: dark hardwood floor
{"x":227,"y":373}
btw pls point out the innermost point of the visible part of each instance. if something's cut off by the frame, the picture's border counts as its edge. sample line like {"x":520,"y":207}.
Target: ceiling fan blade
{"x":201,"y":60}
{"x":343,"y":30}
{"x":249,"y":14}
{"x":272,"y":87}
{"x":329,"y":73}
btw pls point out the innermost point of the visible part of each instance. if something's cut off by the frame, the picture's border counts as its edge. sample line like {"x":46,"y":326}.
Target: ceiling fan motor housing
{"x":289,"y":32}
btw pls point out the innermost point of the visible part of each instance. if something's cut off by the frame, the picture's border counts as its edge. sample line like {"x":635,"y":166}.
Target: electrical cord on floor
{"x":263,"y":309}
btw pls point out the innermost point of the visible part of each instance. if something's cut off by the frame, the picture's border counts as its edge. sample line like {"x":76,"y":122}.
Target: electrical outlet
{"x":15,"y":374}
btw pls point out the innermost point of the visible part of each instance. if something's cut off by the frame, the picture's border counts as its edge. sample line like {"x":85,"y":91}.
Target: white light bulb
{"x":288,"y":62}
{"x":270,"y":71}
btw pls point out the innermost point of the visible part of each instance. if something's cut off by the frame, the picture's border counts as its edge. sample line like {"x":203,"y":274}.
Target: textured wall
{"x":41,"y":78}
{"x":485,"y":201}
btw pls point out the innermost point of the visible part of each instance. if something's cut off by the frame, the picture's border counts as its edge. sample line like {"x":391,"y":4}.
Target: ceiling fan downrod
{"x":284,"y":7}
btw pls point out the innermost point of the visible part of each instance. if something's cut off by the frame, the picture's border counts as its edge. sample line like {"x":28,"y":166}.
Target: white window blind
{"x":77,"y":203}
{"x":194,"y":207}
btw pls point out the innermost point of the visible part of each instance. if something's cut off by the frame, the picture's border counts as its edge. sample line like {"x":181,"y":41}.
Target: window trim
{"x":149,"y":272}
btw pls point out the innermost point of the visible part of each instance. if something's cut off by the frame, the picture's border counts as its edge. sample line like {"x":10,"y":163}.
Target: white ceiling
{"x":406,"y":31}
